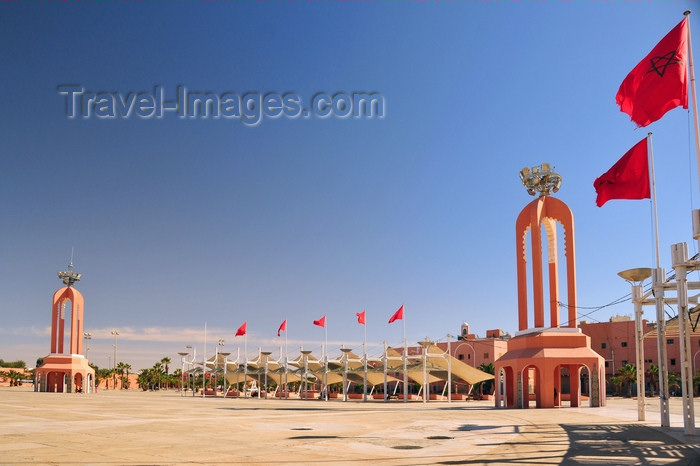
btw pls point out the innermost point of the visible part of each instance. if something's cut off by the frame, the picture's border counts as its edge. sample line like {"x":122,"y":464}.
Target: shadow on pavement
{"x":625,"y":444}
{"x":583,"y":444}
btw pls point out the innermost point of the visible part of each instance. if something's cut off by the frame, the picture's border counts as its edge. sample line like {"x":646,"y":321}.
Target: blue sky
{"x":181,"y":222}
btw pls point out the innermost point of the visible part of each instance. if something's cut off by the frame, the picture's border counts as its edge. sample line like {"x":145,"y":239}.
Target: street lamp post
{"x":225,"y":355}
{"x":189,"y":362}
{"x":426,"y":386}
{"x":266,"y":354}
{"x":182,"y":373}
{"x":87,"y":336}
{"x":636,"y":277}
{"x":681,"y":265}
{"x":306,"y":354}
{"x":115,"y":332}
{"x":449,"y":370}
{"x":345,"y":372}
{"x":219,"y":347}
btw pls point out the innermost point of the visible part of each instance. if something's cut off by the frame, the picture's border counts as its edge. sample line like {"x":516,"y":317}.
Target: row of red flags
{"x":657,"y":84}
{"x":361,"y":319}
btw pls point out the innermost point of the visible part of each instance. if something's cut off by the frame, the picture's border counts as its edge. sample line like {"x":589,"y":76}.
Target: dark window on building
{"x":669,"y":341}
{"x":623,"y":344}
{"x":607,"y":364}
{"x":469,"y":356}
{"x":603,"y":345}
{"x":624,"y":363}
{"x":460,"y":357}
{"x":673,"y":362}
{"x":486,"y":355}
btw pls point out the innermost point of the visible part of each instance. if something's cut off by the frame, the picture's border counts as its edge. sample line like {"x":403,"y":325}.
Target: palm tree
{"x":96,"y":369}
{"x":123,"y":370}
{"x":158,"y":373}
{"x":102,"y":374}
{"x":628,"y":374}
{"x":145,"y":379}
{"x":653,"y":373}
{"x":15,"y":378}
{"x":119,"y":371}
{"x":673,"y":380}
{"x":489,"y":369}
{"x":173,"y":380}
{"x":166,"y":361}
{"x":616,"y":382}
{"x":696,"y":383}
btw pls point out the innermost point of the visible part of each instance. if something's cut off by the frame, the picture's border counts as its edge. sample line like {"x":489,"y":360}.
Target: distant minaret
{"x":464,"y":331}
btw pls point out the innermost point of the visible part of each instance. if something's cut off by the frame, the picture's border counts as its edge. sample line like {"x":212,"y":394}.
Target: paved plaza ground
{"x":134,"y":427}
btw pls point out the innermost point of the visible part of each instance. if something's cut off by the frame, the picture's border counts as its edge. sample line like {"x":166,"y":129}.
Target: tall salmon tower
{"x":65,"y":369}
{"x":548,"y":364}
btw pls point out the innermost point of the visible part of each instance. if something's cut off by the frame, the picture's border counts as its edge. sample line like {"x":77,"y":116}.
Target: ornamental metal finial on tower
{"x":542,"y":179}
{"x":69,"y":277}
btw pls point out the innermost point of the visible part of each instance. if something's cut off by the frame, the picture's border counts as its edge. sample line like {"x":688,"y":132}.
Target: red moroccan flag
{"x":627,"y":179}
{"x":360,"y":317}
{"x":283,"y":327}
{"x":659,"y":82}
{"x":241,"y":330}
{"x":321,"y":322}
{"x":398,"y":315}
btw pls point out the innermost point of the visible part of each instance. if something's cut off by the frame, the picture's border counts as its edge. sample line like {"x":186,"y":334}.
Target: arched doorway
{"x":78,"y":382}
{"x":531,"y":384}
{"x":562,"y":386}
{"x":55,"y":382}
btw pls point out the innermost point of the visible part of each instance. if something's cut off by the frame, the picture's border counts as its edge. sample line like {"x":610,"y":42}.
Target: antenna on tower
{"x":68,"y":276}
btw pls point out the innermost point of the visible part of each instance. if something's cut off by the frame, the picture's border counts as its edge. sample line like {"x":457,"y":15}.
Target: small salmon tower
{"x":548,"y":365}
{"x":65,"y":369}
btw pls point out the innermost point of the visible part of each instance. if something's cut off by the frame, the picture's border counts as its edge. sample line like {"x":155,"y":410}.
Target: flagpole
{"x":238,"y":366}
{"x":286,"y":355}
{"x":657,"y":282}
{"x":194,"y":379}
{"x":325,"y":359}
{"x":386,"y":398}
{"x":204,"y":361}
{"x":364,"y":356}
{"x":652,"y":176}
{"x":693,"y":93}
{"x":245,"y":364}
{"x":405,"y":355}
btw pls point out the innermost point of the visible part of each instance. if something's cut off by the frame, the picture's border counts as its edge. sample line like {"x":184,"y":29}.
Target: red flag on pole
{"x":659,"y":82}
{"x":627,"y":179}
{"x":283,"y":327}
{"x":241,"y":330}
{"x":321,"y":322}
{"x":398,"y":315}
{"x":360,"y":317}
